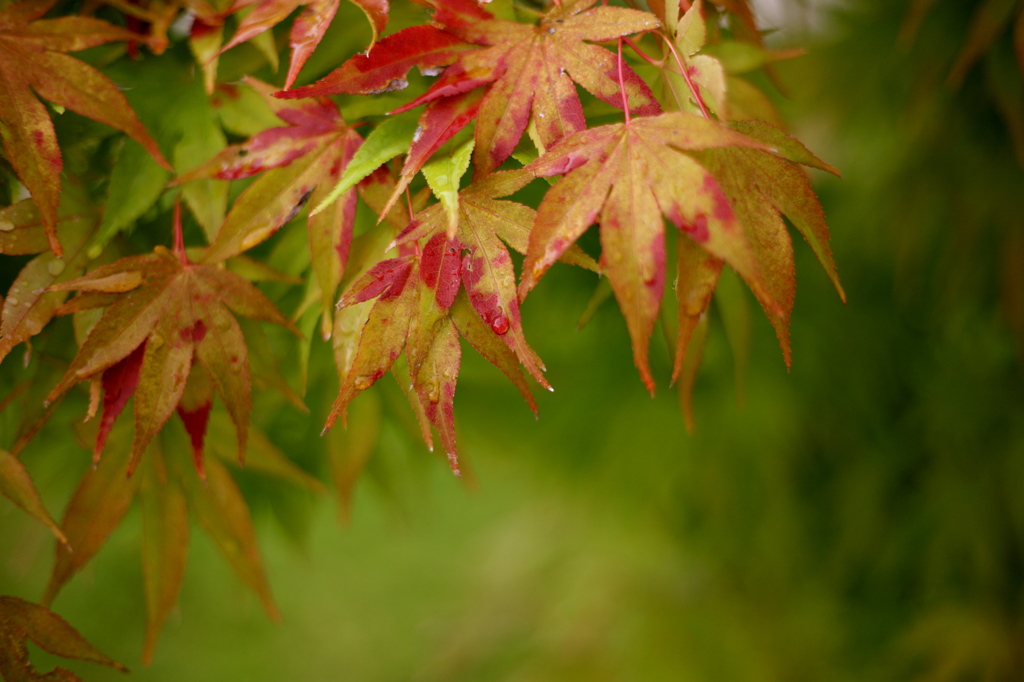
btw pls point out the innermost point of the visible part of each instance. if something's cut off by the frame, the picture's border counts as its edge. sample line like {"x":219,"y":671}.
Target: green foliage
{"x":857,"y":519}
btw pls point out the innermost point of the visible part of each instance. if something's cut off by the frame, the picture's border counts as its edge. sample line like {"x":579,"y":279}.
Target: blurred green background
{"x":858,"y":518}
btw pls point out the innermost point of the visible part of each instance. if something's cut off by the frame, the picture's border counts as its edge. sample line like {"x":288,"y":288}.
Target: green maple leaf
{"x":32,"y":58}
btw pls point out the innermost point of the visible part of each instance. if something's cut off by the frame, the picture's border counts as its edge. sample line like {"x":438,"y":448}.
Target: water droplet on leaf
{"x":11,"y":300}
{"x":55,"y":267}
{"x":6,"y":226}
{"x":363,"y":382}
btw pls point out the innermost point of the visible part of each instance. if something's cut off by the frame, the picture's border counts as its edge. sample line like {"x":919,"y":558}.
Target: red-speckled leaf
{"x":96,"y":508}
{"x":380,"y":343}
{"x":330,"y":231}
{"x":32,"y":59}
{"x":491,"y":346}
{"x":165,"y":538}
{"x":435,"y":387}
{"x":16,"y":485}
{"x":767,"y":236}
{"x":165,"y":367}
{"x":627,"y":176}
{"x":385,"y":67}
{"x":219,"y":506}
{"x":534,"y":65}
{"x":223,"y":354}
{"x":303,"y":159}
{"x":21,"y":621}
{"x":490,"y":280}
{"x":180,"y":312}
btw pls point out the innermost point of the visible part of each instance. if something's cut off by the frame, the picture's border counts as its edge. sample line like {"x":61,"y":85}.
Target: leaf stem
{"x":622,"y":85}
{"x":179,"y":238}
{"x":643,"y":55}
{"x":694,"y":90}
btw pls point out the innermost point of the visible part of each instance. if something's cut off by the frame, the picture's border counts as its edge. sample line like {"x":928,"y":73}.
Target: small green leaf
{"x":388,"y":140}
{"x":444,"y":175}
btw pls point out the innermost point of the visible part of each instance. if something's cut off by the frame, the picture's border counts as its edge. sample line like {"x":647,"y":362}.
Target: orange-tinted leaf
{"x":96,"y":508}
{"x":180,"y":312}
{"x":488,"y":344}
{"x":16,"y":485}
{"x":627,"y":176}
{"x":165,"y":538}
{"x":31,"y":58}
{"x":223,"y":513}
{"x":21,"y":229}
{"x":435,"y":387}
{"x":21,"y":621}
{"x":697,"y":273}
{"x":30,"y":304}
{"x":351,"y":448}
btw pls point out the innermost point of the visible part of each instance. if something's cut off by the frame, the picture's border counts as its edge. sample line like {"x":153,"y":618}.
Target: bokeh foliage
{"x":860,"y":518}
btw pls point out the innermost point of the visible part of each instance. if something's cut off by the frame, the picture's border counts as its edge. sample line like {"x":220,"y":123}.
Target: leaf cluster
{"x":417,"y":233}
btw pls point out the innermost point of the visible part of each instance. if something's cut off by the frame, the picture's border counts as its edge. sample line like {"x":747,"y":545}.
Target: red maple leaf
{"x":528,"y":72}
{"x":442,"y":286}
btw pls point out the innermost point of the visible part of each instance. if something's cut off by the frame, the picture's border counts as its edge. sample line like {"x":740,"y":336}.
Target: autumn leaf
{"x":32,"y":59}
{"x":16,"y":485}
{"x":174,"y":314}
{"x":170,"y":494}
{"x":21,"y":622}
{"x":626,"y":176}
{"x":299,"y":162}
{"x":528,"y":72}
{"x":446,"y":283}
{"x":309,"y":26}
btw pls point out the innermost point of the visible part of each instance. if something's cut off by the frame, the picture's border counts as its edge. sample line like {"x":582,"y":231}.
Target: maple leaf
{"x":168,"y":314}
{"x":626,"y":176}
{"x":528,"y":72}
{"x":170,"y":494}
{"x":29,"y":305}
{"x":21,"y":621}
{"x":299,"y":162}
{"x":309,"y":26}
{"x":32,"y":58}
{"x":449,"y":279}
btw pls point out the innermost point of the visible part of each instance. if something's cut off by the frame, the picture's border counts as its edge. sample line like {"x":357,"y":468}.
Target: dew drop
{"x":33,"y":326}
{"x":6,"y":226}
{"x":499,"y":324}
{"x":551,"y":31}
{"x":418,"y":134}
{"x":442,"y":179}
{"x":94,"y":252}
{"x":434,"y":392}
{"x":155,"y":341}
{"x":12,"y":301}
{"x":363,"y":382}
{"x":55,"y":267}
